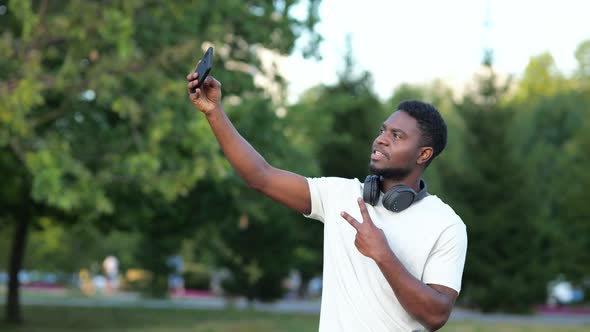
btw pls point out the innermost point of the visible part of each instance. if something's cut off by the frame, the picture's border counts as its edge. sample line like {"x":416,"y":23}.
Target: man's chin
{"x":376,"y":164}
{"x":373,"y":169}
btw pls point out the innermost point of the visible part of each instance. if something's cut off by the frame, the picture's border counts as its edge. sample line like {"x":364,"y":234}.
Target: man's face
{"x":397,"y":148}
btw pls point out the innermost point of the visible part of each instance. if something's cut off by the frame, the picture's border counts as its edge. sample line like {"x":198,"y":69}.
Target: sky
{"x":421,"y":40}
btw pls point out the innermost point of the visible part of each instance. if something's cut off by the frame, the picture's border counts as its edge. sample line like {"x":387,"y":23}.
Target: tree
{"x":541,"y":78}
{"x":571,"y":246}
{"x":93,"y":107}
{"x":582,"y":54}
{"x":506,"y":261}
{"x":550,"y":127}
{"x":239,"y":236}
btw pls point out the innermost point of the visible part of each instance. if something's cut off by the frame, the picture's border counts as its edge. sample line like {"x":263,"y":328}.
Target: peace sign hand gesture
{"x":370,"y":240}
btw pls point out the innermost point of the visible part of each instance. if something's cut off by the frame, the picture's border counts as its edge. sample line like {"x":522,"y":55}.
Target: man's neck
{"x":412,"y":181}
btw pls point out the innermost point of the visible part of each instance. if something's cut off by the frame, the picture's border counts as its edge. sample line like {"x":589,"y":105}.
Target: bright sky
{"x":420,"y":40}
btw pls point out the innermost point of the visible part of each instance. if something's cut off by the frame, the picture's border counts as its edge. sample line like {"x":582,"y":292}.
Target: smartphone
{"x":204,"y":67}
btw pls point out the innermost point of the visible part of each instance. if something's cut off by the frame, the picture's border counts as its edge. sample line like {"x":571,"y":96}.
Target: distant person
{"x":314,"y":287}
{"x":393,"y":254}
{"x":175,"y":279}
{"x":85,"y":282}
{"x":110,"y":266}
{"x":293,"y":285}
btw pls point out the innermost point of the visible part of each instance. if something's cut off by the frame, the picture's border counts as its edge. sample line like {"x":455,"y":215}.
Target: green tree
{"x":239,"y":226}
{"x":506,"y":261}
{"x":541,"y":78}
{"x":94,"y":117}
{"x":582,"y":54}
{"x":551,"y":124}
{"x":572,"y":247}
{"x":575,"y":166}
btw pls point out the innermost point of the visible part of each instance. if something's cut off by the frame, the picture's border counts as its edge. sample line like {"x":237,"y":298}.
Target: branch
{"x":43,"y":119}
{"x":17,"y":151}
{"x":42,"y":11}
{"x":137,"y":138}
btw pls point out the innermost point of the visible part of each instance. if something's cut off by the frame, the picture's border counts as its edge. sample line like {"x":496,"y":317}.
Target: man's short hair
{"x":430,"y":123}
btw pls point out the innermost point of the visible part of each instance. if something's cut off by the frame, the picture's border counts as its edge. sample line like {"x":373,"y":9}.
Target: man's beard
{"x":395,"y":174}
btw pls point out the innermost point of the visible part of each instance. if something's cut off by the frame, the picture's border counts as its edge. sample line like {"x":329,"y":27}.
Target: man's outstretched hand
{"x":208,"y":97}
{"x":370,"y":239}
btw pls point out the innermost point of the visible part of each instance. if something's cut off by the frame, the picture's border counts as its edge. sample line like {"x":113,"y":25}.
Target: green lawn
{"x":65,"y":319}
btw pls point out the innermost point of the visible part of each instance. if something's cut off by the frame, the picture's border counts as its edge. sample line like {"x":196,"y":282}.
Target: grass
{"x":491,"y":327}
{"x":70,"y":319}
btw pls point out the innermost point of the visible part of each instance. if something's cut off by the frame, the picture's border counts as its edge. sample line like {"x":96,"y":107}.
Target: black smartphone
{"x":204,"y":67}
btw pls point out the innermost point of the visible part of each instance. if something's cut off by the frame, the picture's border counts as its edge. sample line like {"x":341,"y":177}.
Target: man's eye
{"x":396,"y":135}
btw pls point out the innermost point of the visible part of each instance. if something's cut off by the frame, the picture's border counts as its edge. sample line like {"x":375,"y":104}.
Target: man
{"x":392,"y":265}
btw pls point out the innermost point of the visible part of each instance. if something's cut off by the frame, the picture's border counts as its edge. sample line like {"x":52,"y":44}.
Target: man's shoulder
{"x":329,"y":193}
{"x":334,"y":182}
{"x":442,"y":211}
{"x":334,"y":188}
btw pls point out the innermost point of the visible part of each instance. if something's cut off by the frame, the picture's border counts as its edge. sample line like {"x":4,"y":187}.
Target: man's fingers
{"x":192,"y":76}
{"x":190,"y":86}
{"x":193,"y":83}
{"x":353,"y":222}
{"x":364,"y":212}
{"x":212,"y":82}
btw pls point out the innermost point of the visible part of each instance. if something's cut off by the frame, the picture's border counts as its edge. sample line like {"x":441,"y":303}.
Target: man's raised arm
{"x":285,"y":187}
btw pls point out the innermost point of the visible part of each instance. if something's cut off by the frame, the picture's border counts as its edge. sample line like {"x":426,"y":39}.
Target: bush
{"x":197,"y":277}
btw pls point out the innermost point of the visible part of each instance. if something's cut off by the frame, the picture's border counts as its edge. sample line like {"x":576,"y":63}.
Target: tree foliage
{"x":94,"y":107}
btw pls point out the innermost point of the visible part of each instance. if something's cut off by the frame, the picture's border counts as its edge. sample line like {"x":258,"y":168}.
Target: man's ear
{"x":425,"y":155}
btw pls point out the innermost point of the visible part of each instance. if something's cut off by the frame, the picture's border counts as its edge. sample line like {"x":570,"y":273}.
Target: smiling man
{"x":393,"y":254}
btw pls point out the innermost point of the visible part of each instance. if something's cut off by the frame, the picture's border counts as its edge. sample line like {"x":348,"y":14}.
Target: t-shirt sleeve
{"x":327,"y":193}
{"x":317,"y":191}
{"x":447,"y":259}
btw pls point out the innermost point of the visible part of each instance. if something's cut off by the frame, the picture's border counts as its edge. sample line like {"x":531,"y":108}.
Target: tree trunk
{"x":13,"y":308}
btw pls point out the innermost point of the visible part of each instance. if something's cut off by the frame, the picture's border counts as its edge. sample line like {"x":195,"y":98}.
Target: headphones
{"x":396,"y":199}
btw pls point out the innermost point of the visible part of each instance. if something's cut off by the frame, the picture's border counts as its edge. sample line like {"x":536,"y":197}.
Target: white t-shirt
{"x":428,"y":238}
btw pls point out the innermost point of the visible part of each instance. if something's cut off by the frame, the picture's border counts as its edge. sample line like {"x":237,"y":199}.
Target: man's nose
{"x":381,"y":139}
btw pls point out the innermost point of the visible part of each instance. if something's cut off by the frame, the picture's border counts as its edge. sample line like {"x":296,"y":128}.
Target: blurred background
{"x":118,"y":211}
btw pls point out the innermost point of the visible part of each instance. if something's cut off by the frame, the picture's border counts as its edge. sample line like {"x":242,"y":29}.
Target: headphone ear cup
{"x":398,"y":198}
{"x":371,"y":189}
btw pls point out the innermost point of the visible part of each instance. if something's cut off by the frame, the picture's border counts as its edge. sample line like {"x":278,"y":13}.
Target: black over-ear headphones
{"x":396,"y":199}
